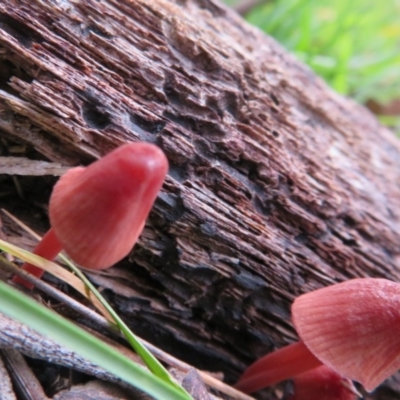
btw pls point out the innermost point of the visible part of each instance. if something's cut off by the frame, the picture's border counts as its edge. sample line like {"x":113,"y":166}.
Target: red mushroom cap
{"x":98,"y":212}
{"x":322,"y":383}
{"x":353,"y":327}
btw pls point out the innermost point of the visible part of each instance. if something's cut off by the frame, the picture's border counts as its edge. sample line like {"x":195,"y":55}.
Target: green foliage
{"x":392,"y":121}
{"x":231,"y":3}
{"x":353,"y":45}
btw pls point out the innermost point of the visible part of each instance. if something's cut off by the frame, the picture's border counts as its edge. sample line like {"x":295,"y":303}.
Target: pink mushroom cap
{"x":353,"y":328}
{"x":98,"y":212}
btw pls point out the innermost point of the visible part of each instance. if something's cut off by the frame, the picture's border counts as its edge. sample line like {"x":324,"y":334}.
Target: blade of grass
{"x":151,"y":362}
{"x":305,"y":29}
{"x":340,"y":77}
{"x":18,"y":306}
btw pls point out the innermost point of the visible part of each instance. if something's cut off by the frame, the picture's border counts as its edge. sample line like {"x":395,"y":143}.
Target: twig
{"x":16,"y":335}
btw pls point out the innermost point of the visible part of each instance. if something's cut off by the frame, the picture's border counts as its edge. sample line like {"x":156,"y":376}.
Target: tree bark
{"x":277,"y":185}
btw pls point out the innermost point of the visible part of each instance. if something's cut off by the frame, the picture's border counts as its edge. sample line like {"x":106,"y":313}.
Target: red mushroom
{"x":322,"y":383}
{"x":98,"y":212}
{"x":351,"y":327}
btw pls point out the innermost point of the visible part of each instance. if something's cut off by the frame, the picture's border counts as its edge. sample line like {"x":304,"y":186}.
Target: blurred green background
{"x":354,"y":45}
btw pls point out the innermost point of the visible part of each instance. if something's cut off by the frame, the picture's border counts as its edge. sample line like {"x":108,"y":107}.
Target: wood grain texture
{"x":277,"y":185}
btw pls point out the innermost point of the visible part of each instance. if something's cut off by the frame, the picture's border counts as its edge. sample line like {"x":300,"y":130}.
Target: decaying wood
{"x":24,"y":166}
{"x":277,"y":185}
{"x":25,"y":382}
{"x":7,"y":392}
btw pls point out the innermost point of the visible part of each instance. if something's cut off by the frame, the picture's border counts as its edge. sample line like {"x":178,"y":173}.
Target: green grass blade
{"x":18,"y":306}
{"x":151,"y":362}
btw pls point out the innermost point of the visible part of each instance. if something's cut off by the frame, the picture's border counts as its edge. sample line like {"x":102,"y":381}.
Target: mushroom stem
{"x":323,"y":383}
{"x":275,"y":367}
{"x":47,"y":248}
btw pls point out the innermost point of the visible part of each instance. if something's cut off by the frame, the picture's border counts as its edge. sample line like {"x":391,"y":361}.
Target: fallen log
{"x":277,"y":185}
